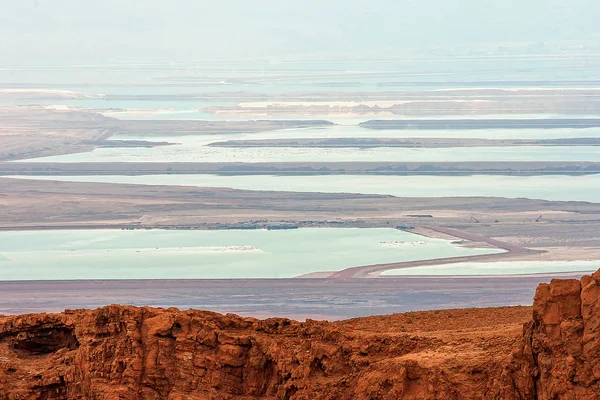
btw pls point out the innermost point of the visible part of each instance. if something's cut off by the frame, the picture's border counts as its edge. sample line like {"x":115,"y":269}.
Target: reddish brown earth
{"x":550,"y":351}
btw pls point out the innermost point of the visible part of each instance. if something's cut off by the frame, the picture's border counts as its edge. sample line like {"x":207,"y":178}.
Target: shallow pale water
{"x":195,"y":149}
{"x":572,"y":188}
{"x":499,"y":268}
{"x":156,"y":254}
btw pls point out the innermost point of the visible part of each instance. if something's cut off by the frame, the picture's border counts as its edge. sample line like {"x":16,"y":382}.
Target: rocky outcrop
{"x":121,"y":352}
{"x":559,"y":357}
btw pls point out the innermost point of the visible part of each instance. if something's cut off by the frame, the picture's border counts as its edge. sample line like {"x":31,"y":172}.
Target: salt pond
{"x":157,"y":254}
{"x":498,"y":268}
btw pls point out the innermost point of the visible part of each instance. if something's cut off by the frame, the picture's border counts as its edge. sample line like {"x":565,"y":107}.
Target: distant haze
{"x":84,"y":31}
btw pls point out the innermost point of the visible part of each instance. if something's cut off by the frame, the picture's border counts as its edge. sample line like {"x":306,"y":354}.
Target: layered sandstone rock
{"x":120,"y":352}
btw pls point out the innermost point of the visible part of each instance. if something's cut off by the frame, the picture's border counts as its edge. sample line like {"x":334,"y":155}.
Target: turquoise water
{"x":572,"y":188}
{"x":499,"y":268}
{"x":156,"y":254}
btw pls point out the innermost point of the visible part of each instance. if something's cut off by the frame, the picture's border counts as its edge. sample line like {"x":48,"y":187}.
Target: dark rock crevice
{"x":40,"y":341}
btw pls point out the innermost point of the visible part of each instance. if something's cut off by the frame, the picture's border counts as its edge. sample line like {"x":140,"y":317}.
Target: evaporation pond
{"x":498,"y":268}
{"x":162,"y":254}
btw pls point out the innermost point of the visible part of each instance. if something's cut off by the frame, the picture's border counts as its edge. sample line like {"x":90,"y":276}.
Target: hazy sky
{"x":52,"y":31}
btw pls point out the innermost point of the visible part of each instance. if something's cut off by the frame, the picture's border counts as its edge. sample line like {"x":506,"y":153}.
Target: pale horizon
{"x":43,"y":32}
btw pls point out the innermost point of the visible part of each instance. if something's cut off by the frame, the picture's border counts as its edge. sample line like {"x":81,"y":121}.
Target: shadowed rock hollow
{"x":121,"y":352}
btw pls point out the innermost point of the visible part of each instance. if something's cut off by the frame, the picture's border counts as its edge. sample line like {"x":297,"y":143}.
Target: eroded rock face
{"x":121,"y":352}
{"x":560,"y":353}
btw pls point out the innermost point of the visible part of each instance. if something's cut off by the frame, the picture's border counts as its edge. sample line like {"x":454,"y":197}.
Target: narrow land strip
{"x":521,"y":168}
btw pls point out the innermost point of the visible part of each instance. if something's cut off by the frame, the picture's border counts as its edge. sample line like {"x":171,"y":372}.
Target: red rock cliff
{"x":120,"y":352}
{"x":559,"y":357}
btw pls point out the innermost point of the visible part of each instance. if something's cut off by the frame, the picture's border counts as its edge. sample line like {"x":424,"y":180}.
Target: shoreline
{"x":376,"y":270}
